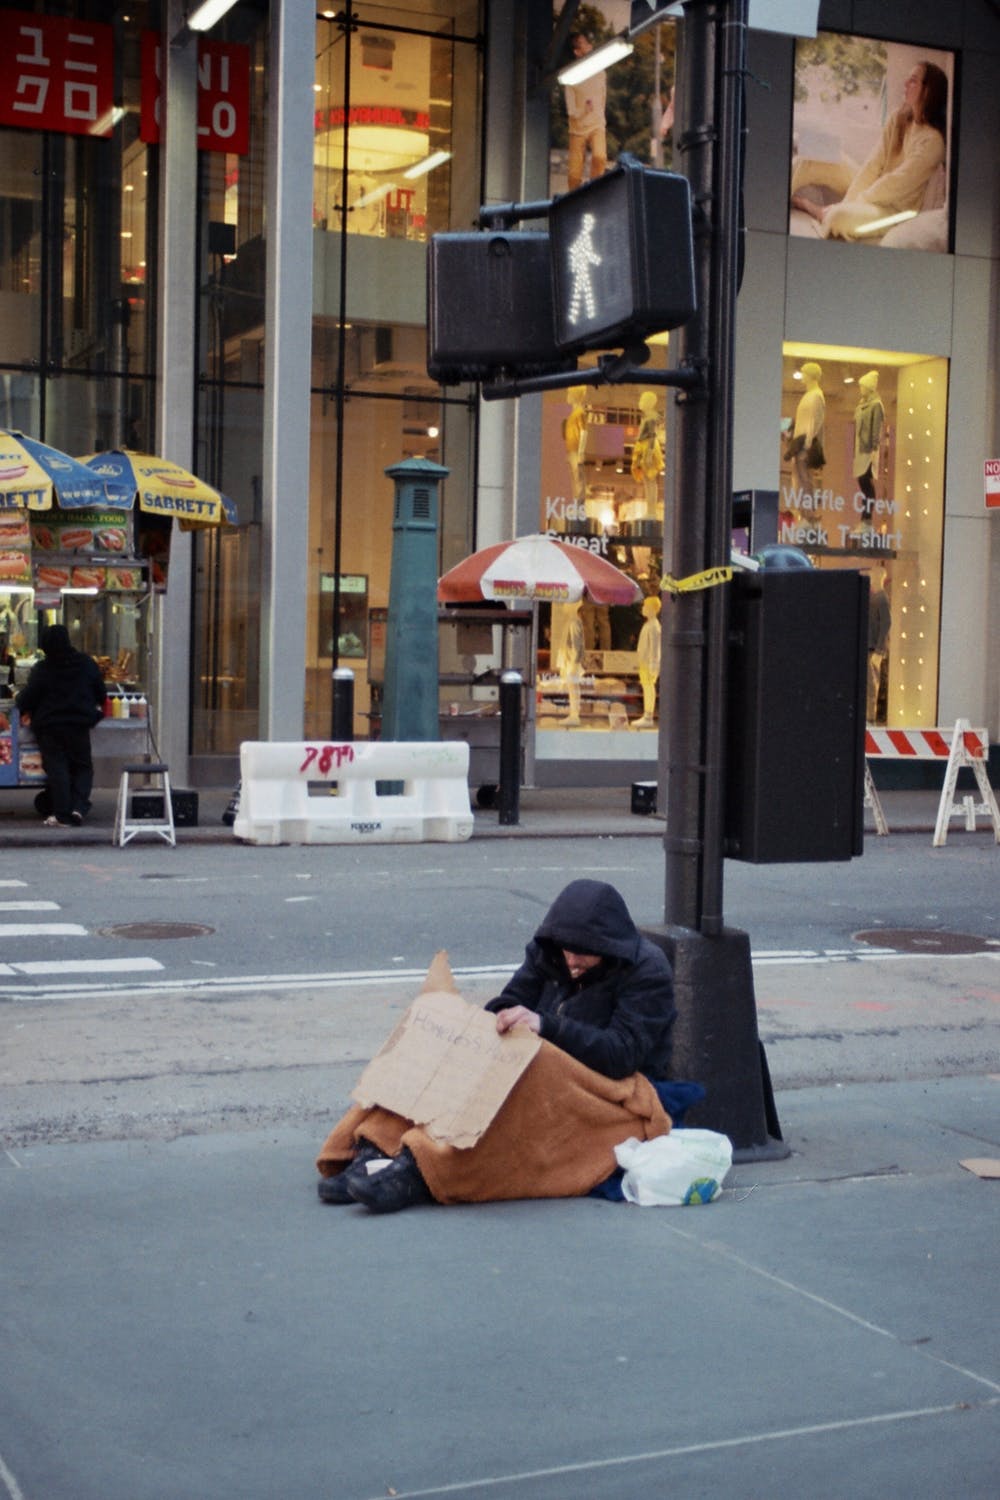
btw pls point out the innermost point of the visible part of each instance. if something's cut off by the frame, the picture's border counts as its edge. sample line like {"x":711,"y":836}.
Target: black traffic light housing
{"x":622,"y":258}
{"x":616,"y":265}
{"x":489,"y":306}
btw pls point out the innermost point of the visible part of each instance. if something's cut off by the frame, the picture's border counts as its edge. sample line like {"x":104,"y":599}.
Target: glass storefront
{"x":396,"y":159}
{"x":862,"y":437}
{"x":76,"y":347}
{"x":602,"y":487}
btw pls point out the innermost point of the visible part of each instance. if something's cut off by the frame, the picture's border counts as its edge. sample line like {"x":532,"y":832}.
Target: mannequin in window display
{"x":869,"y":416}
{"x":648,"y":651}
{"x":647,"y":453}
{"x":805,"y":447}
{"x":569,"y":660}
{"x":879,"y":625}
{"x":575,"y":438}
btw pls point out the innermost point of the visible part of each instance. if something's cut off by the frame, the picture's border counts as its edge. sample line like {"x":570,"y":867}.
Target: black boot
{"x":336,"y":1189}
{"x":391,"y":1188}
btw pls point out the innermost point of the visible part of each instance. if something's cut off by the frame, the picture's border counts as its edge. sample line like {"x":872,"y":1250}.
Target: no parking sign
{"x":991,"y":481}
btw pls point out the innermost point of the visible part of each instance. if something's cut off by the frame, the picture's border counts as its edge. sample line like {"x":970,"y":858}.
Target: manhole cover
{"x":926,"y":940}
{"x":146,"y":931}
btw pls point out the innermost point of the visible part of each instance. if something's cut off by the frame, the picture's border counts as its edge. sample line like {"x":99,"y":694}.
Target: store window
{"x":602,"y":487}
{"x":76,"y":181}
{"x":627,"y":108}
{"x":396,"y":159}
{"x":862,"y":437}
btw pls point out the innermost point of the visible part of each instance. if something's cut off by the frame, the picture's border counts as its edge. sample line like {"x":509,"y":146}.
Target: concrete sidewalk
{"x":567,"y":812}
{"x":185,"y":1319}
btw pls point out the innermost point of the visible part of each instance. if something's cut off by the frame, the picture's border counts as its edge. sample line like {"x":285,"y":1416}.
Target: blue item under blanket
{"x":677,"y":1099}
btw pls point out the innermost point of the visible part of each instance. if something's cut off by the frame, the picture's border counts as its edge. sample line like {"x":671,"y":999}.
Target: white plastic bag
{"x":686,"y":1166}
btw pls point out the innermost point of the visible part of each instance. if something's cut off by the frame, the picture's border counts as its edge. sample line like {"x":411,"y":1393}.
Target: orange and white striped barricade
{"x":365,"y":792}
{"x":958,"y":747}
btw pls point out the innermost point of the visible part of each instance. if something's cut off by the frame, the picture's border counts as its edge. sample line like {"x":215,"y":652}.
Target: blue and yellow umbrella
{"x":36,"y":476}
{"x":160,"y":487}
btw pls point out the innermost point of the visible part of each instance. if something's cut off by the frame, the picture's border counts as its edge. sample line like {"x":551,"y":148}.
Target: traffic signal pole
{"x":716,"y":1038}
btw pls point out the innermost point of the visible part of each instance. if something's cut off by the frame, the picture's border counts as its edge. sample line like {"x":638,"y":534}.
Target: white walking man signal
{"x":582,"y":256}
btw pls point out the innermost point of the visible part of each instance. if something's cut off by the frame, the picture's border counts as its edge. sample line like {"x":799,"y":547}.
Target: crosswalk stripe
{"x":29,"y":906}
{"x":88,"y":966}
{"x":9,"y":884}
{"x":41,"y":929}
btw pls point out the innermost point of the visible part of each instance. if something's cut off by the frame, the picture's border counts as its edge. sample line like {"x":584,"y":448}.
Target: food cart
{"x":93,"y":558}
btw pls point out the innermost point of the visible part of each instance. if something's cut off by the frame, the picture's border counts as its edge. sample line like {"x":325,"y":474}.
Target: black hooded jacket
{"x":615,"y":1018}
{"x":66,"y":689}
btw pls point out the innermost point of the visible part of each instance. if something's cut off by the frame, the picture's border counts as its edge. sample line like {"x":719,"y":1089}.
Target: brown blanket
{"x":553,"y":1137}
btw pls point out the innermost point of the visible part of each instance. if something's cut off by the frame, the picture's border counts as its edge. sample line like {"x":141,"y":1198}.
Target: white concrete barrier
{"x":318,"y":792}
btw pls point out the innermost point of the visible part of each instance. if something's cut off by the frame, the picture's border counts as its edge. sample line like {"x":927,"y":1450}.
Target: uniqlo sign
{"x":223,"y":94}
{"x":56,"y":74}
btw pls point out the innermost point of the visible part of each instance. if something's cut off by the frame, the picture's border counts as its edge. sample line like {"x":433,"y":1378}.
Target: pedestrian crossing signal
{"x":489,"y":306}
{"x":622,"y":252}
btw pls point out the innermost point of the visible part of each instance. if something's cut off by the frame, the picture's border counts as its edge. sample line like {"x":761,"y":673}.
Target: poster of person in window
{"x":625,"y":107}
{"x":871,"y":142}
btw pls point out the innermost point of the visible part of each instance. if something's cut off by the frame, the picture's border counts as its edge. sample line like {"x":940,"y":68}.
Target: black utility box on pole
{"x":795,"y":744}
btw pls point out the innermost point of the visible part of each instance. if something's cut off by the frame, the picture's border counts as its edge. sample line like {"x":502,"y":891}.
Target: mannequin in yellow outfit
{"x":569,"y":660}
{"x":648,"y":652}
{"x":647,"y":454}
{"x":575,"y":438}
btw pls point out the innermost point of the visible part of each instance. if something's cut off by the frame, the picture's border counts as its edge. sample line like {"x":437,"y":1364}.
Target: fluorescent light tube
{"x":596,"y":61}
{"x":420,"y":168}
{"x":205,"y":15}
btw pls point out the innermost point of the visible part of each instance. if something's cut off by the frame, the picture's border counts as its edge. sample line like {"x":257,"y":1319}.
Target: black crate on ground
{"x":184,"y":804}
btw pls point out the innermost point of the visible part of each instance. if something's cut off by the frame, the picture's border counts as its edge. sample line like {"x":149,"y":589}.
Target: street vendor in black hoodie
{"x":600,"y":995}
{"x":64,"y":698}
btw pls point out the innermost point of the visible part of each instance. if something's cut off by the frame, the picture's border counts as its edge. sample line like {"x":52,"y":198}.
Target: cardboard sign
{"x":445,"y":1067}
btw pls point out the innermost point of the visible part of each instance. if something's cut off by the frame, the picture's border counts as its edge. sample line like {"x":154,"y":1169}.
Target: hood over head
{"x":55,"y":642}
{"x":589,"y":916}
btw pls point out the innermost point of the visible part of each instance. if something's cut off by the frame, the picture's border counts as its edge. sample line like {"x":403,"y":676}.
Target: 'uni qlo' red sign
{"x":223,"y":94}
{"x":56,"y":74}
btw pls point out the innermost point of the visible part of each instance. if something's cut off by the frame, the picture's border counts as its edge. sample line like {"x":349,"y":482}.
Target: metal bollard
{"x":511,"y":684}
{"x":342,"y":726}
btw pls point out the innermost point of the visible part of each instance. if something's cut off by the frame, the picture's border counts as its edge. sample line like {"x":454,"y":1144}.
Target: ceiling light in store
{"x":373,"y":147}
{"x":878,"y":225}
{"x":17,"y":588}
{"x":596,"y":61}
{"x":205,"y":15}
{"x":421,"y":168}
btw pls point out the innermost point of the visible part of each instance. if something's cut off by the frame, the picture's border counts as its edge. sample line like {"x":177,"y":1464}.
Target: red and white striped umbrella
{"x":537,"y":567}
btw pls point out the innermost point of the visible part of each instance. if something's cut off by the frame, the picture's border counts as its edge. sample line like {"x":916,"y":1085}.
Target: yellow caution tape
{"x":706,"y":580}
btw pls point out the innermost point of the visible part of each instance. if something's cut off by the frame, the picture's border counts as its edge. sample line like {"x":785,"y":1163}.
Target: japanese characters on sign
{"x":56,"y":74}
{"x":223,"y":94}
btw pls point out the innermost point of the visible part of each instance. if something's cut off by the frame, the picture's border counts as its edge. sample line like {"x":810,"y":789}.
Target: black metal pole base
{"x":716,"y":1042}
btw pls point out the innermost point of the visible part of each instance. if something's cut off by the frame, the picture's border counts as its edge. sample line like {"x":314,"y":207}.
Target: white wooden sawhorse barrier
{"x":328,"y":793}
{"x":961,"y":746}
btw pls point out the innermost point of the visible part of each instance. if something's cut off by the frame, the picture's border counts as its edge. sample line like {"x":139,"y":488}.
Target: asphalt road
{"x":303,"y":959}
{"x":302,"y":911}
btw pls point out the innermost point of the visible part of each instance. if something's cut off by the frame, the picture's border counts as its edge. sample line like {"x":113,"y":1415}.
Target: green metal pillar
{"x":410,"y":708}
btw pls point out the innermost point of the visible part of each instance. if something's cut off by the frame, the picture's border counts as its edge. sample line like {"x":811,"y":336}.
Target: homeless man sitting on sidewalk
{"x":600,"y":996}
